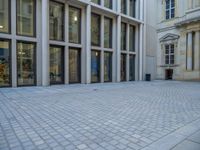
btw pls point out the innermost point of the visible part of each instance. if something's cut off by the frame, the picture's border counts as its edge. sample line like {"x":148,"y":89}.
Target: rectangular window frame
{"x":35,"y":64}
{"x":99,"y":26}
{"x":62,"y":64}
{"x":80,"y":24}
{"x":170,"y":54}
{"x":10,"y":61}
{"x":168,"y":11}
{"x":9,"y":18}
{"x":79,"y":67}
{"x":34,"y":21}
{"x":111,"y":33}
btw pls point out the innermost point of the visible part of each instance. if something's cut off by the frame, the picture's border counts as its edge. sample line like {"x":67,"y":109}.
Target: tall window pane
{"x":56,"y":20}
{"x":107,"y":33}
{"x":26,"y":17}
{"x":4,"y":16}
{"x":74,"y":65}
{"x":132,"y":8}
{"x":96,"y":1}
{"x":132,"y":67}
{"x":5,"y":63}
{"x":123,"y":67}
{"x":132,"y":39}
{"x":74,"y":25}
{"x":95,"y":27}
{"x":107,"y":66}
{"x":56,"y":65}
{"x":123,"y":6}
{"x":26,"y":64}
{"x":123,"y":36}
{"x":108,"y":3}
{"x":95,"y":66}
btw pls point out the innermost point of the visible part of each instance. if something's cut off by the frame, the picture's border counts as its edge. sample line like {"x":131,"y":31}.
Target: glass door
{"x":74,"y":65}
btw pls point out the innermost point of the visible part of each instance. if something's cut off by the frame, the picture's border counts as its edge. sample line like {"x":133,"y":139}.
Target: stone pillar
{"x":118,"y":48}
{"x":45,"y":42}
{"x":141,"y":52}
{"x":197,"y":51}
{"x":189,"y":51}
{"x":88,"y":44}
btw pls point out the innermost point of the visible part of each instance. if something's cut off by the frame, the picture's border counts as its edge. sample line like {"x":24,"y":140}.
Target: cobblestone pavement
{"x":113,"y":116}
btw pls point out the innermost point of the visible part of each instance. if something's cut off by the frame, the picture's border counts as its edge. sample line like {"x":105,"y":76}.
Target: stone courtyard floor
{"x":158,"y":115}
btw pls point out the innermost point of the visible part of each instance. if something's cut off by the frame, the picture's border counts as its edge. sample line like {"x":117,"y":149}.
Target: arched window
{"x":170,"y":9}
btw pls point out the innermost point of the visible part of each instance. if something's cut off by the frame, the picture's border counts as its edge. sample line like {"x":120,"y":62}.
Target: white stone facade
{"x":183,"y":32}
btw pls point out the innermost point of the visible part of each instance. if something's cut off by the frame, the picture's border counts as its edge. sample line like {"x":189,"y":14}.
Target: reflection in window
{"x":74,"y":65}
{"x":95,"y":27}
{"x":132,"y":68}
{"x":5,"y":63}
{"x":107,"y":66}
{"x":132,"y":38}
{"x":132,"y":8}
{"x":123,"y":67}
{"x":108,"y":3}
{"x":26,"y":17}
{"x":56,"y":20}
{"x":123,"y":6}
{"x":96,"y":1}
{"x":74,"y":25}
{"x":123,"y":36}
{"x":95,"y":66}
{"x":26,"y":64}
{"x":56,"y":65}
{"x":4,"y":16}
{"x":107,"y":32}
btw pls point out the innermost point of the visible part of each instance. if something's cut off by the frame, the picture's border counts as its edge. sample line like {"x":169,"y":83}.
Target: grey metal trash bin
{"x":148,"y":77}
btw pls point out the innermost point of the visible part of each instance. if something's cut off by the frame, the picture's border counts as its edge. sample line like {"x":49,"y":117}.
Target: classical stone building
{"x":178,"y":42}
{"x":45,"y":42}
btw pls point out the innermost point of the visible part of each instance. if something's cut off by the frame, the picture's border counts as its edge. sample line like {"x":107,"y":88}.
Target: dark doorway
{"x":169,"y":74}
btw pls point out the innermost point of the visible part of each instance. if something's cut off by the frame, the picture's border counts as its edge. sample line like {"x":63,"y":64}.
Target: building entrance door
{"x":169,"y":74}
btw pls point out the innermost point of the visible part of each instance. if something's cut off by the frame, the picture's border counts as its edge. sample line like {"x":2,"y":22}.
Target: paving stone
{"x":116,"y":116}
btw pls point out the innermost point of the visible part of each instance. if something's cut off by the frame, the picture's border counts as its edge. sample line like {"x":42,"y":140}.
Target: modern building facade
{"x":45,"y":42}
{"x":178,"y":42}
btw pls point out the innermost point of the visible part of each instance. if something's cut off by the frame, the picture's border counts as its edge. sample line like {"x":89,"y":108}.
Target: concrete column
{"x":45,"y":42}
{"x":118,"y":49}
{"x":197,"y":51}
{"x":88,"y":44}
{"x":189,"y":51}
{"x":141,"y":52}
{"x":13,"y":45}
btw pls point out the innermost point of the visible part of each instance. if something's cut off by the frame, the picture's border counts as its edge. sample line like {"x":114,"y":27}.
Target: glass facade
{"x":5,"y":16}
{"x":123,"y":67}
{"x":74,"y":65}
{"x":108,"y":3}
{"x":74,"y":25}
{"x":95,"y":66}
{"x":56,"y":65}
{"x":123,"y":36}
{"x":123,"y":6}
{"x":132,"y":8}
{"x":107,"y":32}
{"x":26,"y":64}
{"x":132,"y":67}
{"x":56,"y":21}
{"x":5,"y":63}
{"x":26,"y":22}
{"x":132,"y":38}
{"x":107,"y":66}
{"x":96,"y":29}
